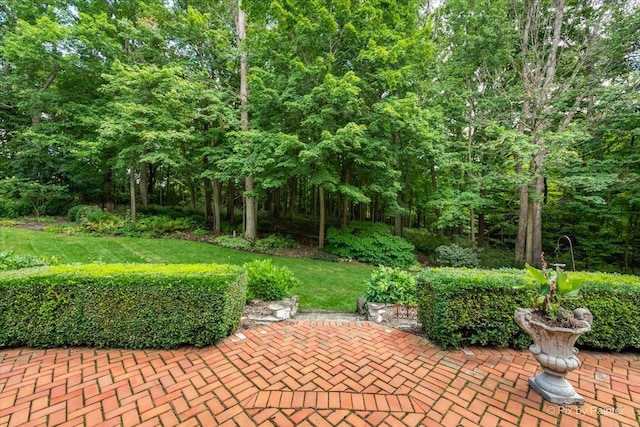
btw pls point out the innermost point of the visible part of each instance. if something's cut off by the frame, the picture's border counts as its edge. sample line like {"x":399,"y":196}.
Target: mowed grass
{"x":324,"y":285}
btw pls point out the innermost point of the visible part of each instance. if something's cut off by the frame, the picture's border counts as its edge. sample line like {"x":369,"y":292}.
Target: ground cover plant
{"x":322,"y":285}
{"x":12,"y":261}
{"x":391,"y":286}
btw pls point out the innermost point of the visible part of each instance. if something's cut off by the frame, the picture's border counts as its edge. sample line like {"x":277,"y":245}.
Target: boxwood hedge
{"x":120,"y":305}
{"x":466,"y":306}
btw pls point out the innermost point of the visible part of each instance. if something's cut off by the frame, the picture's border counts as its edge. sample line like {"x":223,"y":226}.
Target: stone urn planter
{"x":554,"y":331}
{"x":553,"y":347}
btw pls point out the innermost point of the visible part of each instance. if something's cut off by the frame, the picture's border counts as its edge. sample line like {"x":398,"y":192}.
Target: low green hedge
{"x":120,"y":305}
{"x":464,"y":306}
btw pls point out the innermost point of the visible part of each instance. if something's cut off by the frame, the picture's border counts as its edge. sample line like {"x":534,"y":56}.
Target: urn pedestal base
{"x":553,"y":347}
{"x":555,"y":389}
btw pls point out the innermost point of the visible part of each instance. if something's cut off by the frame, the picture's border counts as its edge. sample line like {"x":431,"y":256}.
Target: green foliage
{"x":231,"y":242}
{"x":456,"y":256}
{"x":103,"y":223}
{"x":492,"y":258}
{"x":12,"y":261}
{"x":268,"y":282}
{"x":20,"y":197}
{"x":555,"y":289}
{"x":121,"y":305}
{"x":392,"y":286}
{"x":463,"y":306}
{"x":155,"y":226}
{"x":92,"y":219}
{"x":370,"y":243}
{"x":424,"y":241}
{"x":275,"y":241}
{"x":86,"y":213}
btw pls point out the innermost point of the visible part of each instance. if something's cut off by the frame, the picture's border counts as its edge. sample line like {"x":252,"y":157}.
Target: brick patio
{"x":307,"y":373}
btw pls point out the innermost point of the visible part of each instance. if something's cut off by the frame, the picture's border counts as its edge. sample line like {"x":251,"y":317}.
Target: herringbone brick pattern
{"x":307,"y":373}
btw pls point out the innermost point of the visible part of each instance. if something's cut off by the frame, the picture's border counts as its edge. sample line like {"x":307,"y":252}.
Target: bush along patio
{"x":466,"y":306}
{"x":121,"y":305}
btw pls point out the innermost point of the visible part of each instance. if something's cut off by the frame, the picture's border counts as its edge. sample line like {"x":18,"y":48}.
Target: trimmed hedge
{"x":121,"y":305}
{"x":463,"y":306}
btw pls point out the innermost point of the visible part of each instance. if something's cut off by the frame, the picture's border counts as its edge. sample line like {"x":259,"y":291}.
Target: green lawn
{"x":325,"y":285}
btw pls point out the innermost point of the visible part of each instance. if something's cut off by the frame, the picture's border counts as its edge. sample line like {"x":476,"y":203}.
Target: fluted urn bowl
{"x":553,"y":347}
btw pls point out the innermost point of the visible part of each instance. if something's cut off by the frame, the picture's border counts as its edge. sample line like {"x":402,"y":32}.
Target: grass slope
{"x":324,"y":285}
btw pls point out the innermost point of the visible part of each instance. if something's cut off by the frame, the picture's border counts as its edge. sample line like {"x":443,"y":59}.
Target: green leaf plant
{"x":555,"y":288}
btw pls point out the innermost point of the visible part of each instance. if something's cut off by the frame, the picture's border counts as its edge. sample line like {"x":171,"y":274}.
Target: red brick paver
{"x":307,"y":373}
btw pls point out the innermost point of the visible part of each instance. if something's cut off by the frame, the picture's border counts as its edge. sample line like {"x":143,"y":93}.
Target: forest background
{"x":497,"y":123}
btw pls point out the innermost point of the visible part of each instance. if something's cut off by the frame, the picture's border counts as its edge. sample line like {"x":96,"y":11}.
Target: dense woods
{"x":505,"y":124}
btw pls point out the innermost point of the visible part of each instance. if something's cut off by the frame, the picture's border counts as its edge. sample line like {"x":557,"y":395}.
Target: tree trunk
{"x":217,"y":189}
{"x":275,"y":202}
{"x":397,"y":225}
{"x":434,"y":187}
{"x":151,"y":187}
{"x":536,"y":233}
{"x":293,"y":188}
{"x":107,"y":195}
{"x":208,"y":196}
{"x":314,"y":209}
{"x":481,"y":230}
{"x":231,"y":203}
{"x":537,"y":75}
{"x":250,"y":207}
{"x":132,"y":193}
{"x":523,"y":195}
{"x":191,"y":188}
{"x":472,"y":229}
{"x":398,"y":219}
{"x":322,"y":218}
{"x":144,"y":184}
{"x":250,"y":211}
{"x":345,"y":199}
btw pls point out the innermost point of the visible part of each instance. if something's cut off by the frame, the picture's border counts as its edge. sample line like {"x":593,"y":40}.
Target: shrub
{"x":268,"y":282}
{"x":391,"y":286}
{"x":425,"y":241}
{"x":11,"y":208}
{"x":83,"y":213}
{"x":19,"y":197}
{"x":12,"y":261}
{"x":237,"y":243}
{"x":461,"y":306}
{"x":276,"y":241}
{"x":456,"y":256}
{"x":491,"y":258}
{"x":370,"y":243}
{"x":92,"y":219}
{"x":121,"y":305}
